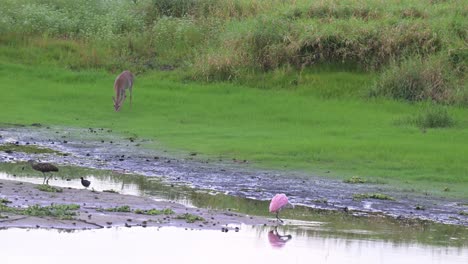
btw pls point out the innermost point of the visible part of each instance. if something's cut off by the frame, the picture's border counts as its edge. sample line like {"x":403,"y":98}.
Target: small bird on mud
{"x":279,"y":202}
{"x":85,"y":183}
{"x":44,"y":168}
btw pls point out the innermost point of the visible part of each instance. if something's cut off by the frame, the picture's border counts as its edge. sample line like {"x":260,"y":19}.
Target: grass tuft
{"x":166,"y":211}
{"x":190,"y":218}
{"x":355,"y":179}
{"x":48,"y":188}
{"x":378,"y":196}
{"x":120,"y":209}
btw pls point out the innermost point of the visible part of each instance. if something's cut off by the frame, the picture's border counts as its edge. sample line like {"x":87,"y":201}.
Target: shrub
{"x":434,"y":117}
{"x":417,"y":79}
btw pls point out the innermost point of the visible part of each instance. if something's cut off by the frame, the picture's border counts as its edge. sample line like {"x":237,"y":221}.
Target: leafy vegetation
{"x":166,"y":211}
{"x":355,"y":179}
{"x":59,"y":211}
{"x":378,"y":196}
{"x":110,"y":191}
{"x":430,"y":116}
{"x":9,"y":147}
{"x":4,"y":201}
{"x":48,"y":188}
{"x":190,"y":218}
{"x":120,"y":209}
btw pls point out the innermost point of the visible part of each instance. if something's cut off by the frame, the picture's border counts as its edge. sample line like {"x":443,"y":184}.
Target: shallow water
{"x":331,"y":224}
{"x":174,"y":245}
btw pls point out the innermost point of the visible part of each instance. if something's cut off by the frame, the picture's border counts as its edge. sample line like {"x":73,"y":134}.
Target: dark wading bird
{"x":85,"y":183}
{"x":279,"y":202}
{"x":44,"y":168}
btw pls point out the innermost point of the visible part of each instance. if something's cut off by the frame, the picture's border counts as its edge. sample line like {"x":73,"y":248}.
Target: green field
{"x":312,"y":87}
{"x":282,"y":129}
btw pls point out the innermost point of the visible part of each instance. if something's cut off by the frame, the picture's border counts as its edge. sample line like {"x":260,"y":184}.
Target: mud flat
{"x":105,"y":209}
{"x":100,"y":149}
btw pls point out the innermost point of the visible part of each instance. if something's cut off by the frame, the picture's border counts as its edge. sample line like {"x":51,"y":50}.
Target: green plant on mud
{"x":190,"y":218}
{"x":59,"y":211}
{"x":121,"y":209}
{"x":166,"y":211}
{"x":110,"y":191}
{"x":48,"y":188}
{"x":355,"y":179}
{"x":9,"y":147}
{"x":4,"y":201}
{"x":378,"y":196}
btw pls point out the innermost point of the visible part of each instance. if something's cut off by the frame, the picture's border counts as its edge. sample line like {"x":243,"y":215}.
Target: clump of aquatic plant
{"x":322,"y":200}
{"x":355,"y":179}
{"x":111,"y":191}
{"x":60,"y":211}
{"x":378,"y":196}
{"x":463,"y":213}
{"x":48,"y":188}
{"x":122,"y":209}
{"x":4,"y":201}
{"x":167,"y":211}
{"x":420,"y":207}
{"x":7,"y":209}
{"x":26,"y":149}
{"x":190,"y":218}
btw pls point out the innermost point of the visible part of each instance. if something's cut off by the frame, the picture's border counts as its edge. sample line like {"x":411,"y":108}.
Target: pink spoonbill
{"x":279,"y":202}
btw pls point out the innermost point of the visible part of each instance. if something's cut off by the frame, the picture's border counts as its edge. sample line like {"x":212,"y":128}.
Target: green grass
{"x":291,"y":129}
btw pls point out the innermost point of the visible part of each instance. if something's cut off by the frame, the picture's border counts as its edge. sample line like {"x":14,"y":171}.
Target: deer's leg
{"x":130,"y":88}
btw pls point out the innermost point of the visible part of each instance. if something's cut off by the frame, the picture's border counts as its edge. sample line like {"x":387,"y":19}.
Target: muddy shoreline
{"x":93,"y":212}
{"x":100,"y":149}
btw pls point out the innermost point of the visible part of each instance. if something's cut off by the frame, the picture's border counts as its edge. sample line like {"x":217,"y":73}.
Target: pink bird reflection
{"x":276,"y":240}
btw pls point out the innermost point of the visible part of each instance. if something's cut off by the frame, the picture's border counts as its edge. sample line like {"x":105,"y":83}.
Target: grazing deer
{"x":123,"y":82}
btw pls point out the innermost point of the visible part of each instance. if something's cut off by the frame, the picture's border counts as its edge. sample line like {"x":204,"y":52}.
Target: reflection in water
{"x":276,"y":240}
{"x":175,"y":245}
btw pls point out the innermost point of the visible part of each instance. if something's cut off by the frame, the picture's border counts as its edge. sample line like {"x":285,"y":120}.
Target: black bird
{"x":85,"y":183}
{"x":44,"y":168}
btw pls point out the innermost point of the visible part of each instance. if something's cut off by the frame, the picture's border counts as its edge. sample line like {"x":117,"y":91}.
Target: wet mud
{"x":101,"y":149}
{"x":103,"y":209}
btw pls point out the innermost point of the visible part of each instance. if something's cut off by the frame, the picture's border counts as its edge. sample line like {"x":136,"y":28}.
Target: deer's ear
{"x":113,"y":99}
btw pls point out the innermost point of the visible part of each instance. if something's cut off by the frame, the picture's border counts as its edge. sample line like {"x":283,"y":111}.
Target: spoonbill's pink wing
{"x":278,"y":202}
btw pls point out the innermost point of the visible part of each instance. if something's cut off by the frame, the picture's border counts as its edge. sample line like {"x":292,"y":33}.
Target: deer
{"x":123,"y":82}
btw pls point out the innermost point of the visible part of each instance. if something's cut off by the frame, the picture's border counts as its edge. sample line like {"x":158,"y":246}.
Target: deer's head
{"x":117,"y":104}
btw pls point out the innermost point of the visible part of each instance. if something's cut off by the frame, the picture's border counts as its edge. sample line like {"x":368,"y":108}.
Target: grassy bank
{"x":238,"y":40}
{"x":292,"y":129}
